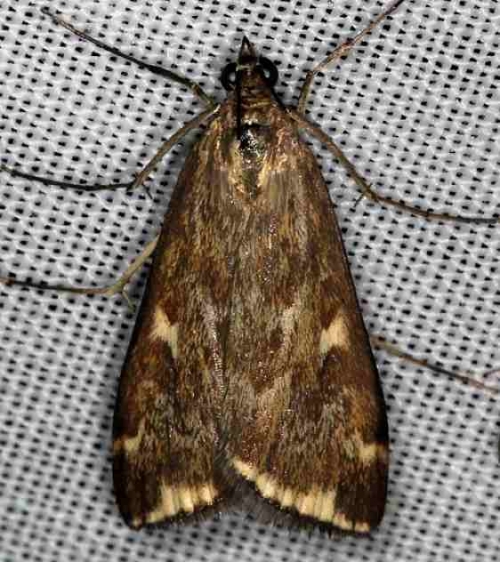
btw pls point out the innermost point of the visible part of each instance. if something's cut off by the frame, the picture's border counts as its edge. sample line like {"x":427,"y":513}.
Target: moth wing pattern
{"x":169,"y":397}
{"x":250,"y":361}
{"x":306,"y":419}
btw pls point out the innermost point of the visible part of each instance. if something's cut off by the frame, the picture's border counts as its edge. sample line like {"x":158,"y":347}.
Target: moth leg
{"x":381,"y":343}
{"x":172,"y":76}
{"x":141,"y":176}
{"x":108,"y":290}
{"x":368,"y":192}
{"x":341,"y":51}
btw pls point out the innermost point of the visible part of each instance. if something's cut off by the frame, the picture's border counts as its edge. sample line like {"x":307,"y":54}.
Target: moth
{"x":249,"y":372}
{"x":249,"y":378}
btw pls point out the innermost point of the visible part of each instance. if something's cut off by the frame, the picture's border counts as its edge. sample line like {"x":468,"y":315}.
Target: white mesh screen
{"x":415,"y":107}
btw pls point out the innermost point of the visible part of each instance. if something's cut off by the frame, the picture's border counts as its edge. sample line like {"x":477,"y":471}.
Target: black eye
{"x":228,"y":77}
{"x":269,"y":70}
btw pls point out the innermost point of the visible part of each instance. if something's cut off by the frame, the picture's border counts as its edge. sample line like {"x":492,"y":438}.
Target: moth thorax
{"x":249,"y":149}
{"x":254,"y":139}
{"x":257,"y":96}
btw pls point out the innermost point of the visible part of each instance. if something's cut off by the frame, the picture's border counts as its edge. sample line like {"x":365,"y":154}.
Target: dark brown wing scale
{"x":306,"y":418}
{"x":170,"y":392}
{"x":250,"y":355}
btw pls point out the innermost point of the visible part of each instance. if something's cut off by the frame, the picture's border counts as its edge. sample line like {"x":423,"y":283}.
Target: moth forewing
{"x":166,"y":419}
{"x":250,"y":361}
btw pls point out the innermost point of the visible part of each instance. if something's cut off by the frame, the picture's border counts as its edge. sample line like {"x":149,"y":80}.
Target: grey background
{"x":416,"y":109}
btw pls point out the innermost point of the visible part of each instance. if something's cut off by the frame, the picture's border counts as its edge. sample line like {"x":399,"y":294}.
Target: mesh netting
{"x":415,"y":107}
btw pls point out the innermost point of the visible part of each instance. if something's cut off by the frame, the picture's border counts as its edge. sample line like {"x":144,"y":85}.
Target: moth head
{"x":250,"y":68}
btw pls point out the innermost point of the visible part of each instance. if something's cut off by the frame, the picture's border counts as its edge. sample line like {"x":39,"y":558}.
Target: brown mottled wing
{"x":169,"y":401}
{"x":306,"y":421}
